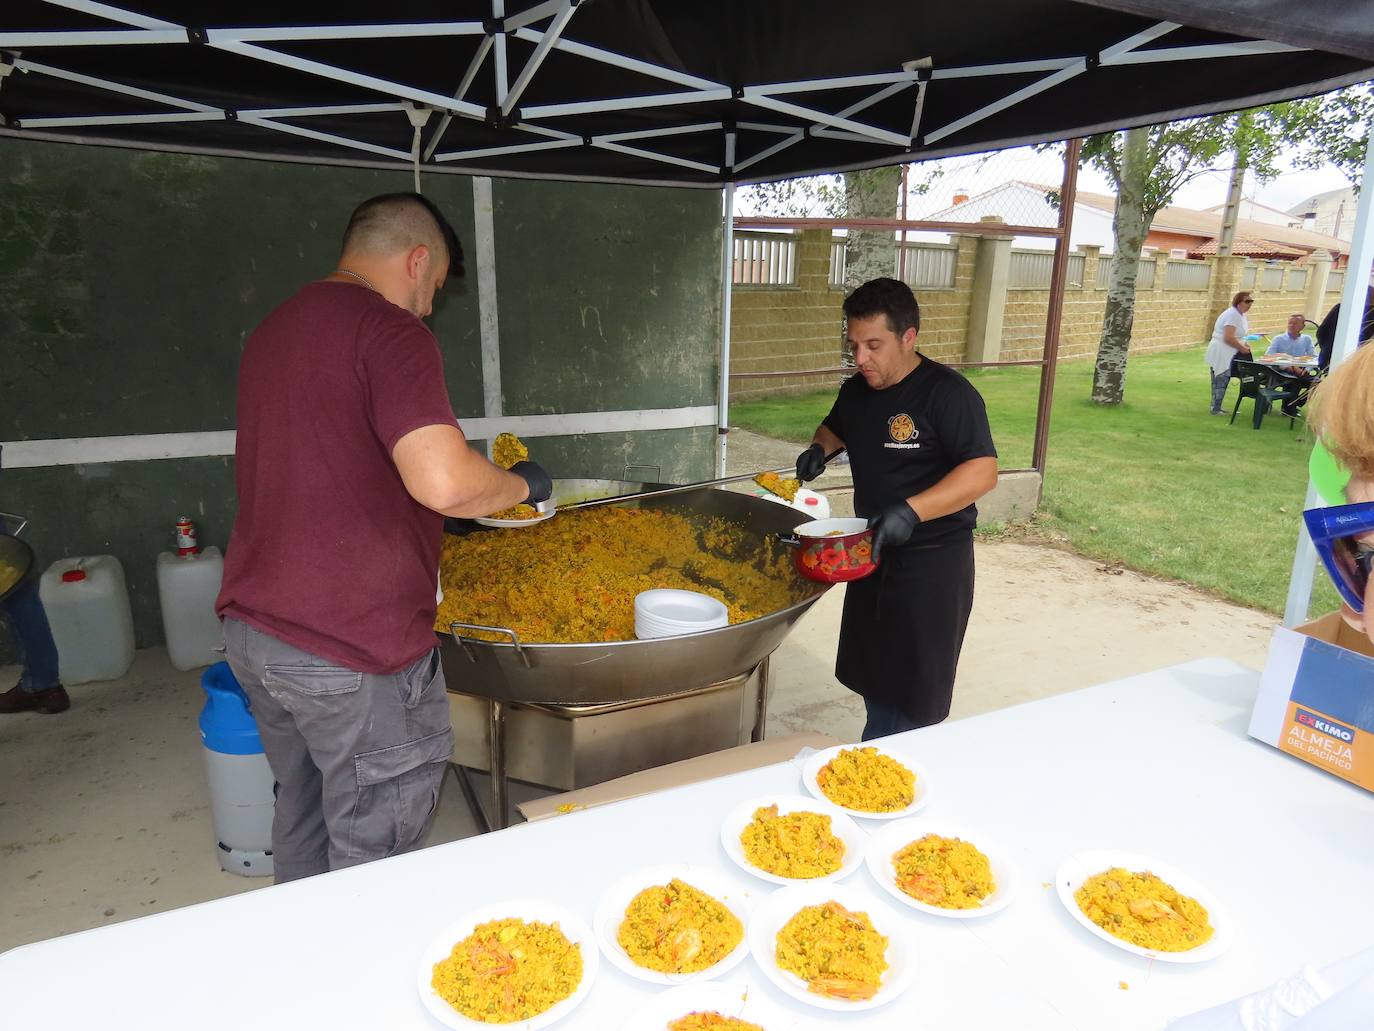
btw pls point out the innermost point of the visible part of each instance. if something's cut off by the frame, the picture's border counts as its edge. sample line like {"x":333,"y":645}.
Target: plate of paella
{"x":1144,"y":906}
{"x":831,"y":946}
{"x":867,"y":781}
{"x":712,"y":1006}
{"x":515,"y":516}
{"x":671,"y":924}
{"x":521,"y":963}
{"x":941,"y":870}
{"x":788,"y":839}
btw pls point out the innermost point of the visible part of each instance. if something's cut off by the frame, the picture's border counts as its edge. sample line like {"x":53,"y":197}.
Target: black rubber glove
{"x":811,"y":463}
{"x":893,"y":525}
{"x":541,"y":487}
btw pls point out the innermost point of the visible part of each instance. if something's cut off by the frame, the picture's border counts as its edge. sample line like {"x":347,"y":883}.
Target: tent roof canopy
{"x":655,"y":91}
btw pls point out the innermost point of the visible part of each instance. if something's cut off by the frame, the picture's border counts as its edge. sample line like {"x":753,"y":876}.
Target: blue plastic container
{"x":241,"y":782}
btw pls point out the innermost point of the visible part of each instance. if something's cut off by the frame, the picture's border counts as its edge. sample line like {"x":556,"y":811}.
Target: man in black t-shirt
{"x":921,"y":453}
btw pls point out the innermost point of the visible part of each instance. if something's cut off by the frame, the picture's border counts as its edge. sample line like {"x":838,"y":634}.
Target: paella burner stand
{"x":498,"y":711}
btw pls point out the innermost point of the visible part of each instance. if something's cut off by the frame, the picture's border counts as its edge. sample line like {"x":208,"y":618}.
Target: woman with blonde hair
{"x":1342,"y":415}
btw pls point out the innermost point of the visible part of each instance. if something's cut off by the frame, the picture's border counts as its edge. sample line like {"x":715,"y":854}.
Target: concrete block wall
{"x":798,"y":328}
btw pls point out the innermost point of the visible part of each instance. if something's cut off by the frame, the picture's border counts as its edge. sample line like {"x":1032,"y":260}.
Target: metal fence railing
{"x":837,"y":261}
{"x":1031,"y":270}
{"x":928,"y":266}
{"x":765,"y":259}
{"x":1336,"y":281}
{"x":1297,"y":279}
{"x":1272,"y":279}
{"x":1247,"y":278}
{"x":1144,"y":274}
{"x":1187,"y":275}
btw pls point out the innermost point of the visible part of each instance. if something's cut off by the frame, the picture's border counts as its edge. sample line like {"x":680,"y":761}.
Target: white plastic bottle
{"x":87,"y":602}
{"x":187,"y":586}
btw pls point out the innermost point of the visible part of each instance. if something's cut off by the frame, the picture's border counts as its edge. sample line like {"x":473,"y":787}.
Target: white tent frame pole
{"x":1348,"y":325}
{"x":644,"y":134}
{"x":551,"y":35}
{"x":536,"y":13}
{"x":73,"y":121}
{"x":585,"y":107}
{"x":491,"y":152}
{"x":141,"y":21}
{"x":797,"y":136}
{"x":469,"y":76}
{"x":629,"y":64}
{"x":91,"y":38}
{"x":667,"y":159}
{"x":114,"y":87}
{"x":727,"y":278}
{"x":323,"y":109}
{"x":567,"y":140}
{"x":325,"y":137}
{"x":498,"y":11}
{"x":299,"y":33}
{"x":896,"y":139}
{"x":1205,"y":52}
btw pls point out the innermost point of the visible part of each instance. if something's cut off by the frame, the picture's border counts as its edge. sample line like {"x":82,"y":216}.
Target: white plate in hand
{"x":775,"y":911}
{"x":817,"y":760}
{"x":894,"y":837}
{"x":507,"y":523}
{"x":1078,"y":867}
{"x":573,"y":928}
{"x":840,"y":825}
{"x":610,"y":913}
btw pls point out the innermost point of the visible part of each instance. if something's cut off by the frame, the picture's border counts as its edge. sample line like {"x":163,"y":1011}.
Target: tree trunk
{"x":871,"y":253}
{"x":1130,"y":222}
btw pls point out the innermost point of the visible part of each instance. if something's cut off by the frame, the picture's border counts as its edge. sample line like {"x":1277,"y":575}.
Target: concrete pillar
{"x":1092,"y":258}
{"x":991,"y":271}
{"x":1226,"y":274}
{"x":1318,"y":275}
{"x":1161,"y":269}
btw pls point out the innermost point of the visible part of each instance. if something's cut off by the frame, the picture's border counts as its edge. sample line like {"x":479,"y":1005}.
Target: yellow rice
{"x":516,"y":512}
{"x":507,"y":449}
{"x":678,"y":929}
{"x":868,"y":780}
{"x":710,"y":1020}
{"x":799,"y":844}
{"x":836,"y":951}
{"x":945,"y":872}
{"x":508,"y":970}
{"x":1143,"y":910}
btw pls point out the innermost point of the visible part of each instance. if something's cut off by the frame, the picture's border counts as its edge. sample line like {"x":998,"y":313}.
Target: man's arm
{"x":826,"y":438}
{"x":957,"y":489}
{"x":442,"y":473}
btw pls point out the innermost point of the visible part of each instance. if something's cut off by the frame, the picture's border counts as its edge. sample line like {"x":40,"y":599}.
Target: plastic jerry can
{"x":241,"y":797}
{"x":87,"y":602}
{"x":187,"y":586}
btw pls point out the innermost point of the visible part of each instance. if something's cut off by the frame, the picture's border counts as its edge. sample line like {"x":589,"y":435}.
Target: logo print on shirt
{"x":901,"y":428}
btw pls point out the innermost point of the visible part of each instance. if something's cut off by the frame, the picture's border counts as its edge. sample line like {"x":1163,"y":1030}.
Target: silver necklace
{"x":361,"y":279}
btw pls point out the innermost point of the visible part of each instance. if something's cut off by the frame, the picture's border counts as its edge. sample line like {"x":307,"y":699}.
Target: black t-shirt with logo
{"x":905,"y":438}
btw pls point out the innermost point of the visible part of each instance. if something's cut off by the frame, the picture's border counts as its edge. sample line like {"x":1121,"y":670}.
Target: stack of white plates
{"x":668,"y":613}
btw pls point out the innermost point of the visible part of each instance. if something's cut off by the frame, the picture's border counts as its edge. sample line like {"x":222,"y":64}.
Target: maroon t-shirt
{"x":329,"y":552}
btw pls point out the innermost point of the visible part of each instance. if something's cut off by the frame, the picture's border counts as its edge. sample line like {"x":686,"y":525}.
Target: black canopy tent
{"x":652,"y":91}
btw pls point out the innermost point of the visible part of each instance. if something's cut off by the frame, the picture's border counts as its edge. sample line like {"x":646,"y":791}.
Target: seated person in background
{"x":1326,"y":332}
{"x":1294,"y":343}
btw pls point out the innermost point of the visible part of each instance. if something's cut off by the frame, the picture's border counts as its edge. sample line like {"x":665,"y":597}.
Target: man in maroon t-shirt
{"x":348,"y":458}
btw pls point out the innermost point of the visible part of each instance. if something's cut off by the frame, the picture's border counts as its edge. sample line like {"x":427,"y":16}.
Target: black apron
{"x":903,"y":627}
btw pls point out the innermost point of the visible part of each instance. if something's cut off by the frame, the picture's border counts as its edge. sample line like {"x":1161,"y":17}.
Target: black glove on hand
{"x":893,"y":525}
{"x":811,"y":463}
{"x":541,"y":487}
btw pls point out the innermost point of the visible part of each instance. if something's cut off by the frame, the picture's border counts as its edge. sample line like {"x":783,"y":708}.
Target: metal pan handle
{"x":507,"y":631}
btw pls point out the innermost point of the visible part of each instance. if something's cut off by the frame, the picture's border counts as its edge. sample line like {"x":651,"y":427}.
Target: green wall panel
{"x":610,"y":296}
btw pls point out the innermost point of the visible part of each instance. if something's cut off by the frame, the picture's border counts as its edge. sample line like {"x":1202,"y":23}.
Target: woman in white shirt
{"x":1228,"y":340}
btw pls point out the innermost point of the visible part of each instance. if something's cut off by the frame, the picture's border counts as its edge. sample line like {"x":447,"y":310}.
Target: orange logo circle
{"x":901,"y":428}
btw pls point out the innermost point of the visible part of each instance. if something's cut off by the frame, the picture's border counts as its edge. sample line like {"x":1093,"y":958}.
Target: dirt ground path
{"x":1044,"y":621}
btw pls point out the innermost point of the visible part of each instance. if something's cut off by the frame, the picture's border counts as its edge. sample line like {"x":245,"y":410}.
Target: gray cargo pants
{"x":358,"y":757}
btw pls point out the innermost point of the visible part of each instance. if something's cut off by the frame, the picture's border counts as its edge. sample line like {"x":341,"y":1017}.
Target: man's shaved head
{"x":398,"y":222}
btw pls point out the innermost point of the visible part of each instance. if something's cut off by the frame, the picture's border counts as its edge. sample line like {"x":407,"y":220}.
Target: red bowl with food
{"x":834,"y":551}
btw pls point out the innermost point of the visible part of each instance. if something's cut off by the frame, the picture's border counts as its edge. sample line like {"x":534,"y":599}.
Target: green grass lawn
{"x":1156,"y":484}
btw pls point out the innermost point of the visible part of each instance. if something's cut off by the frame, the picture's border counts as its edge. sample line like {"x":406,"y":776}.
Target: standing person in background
{"x":921,"y":453}
{"x":348,"y":458}
{"x":1326,"y":332}
{"x":1228,"y":343}
{"x":39,"y":689}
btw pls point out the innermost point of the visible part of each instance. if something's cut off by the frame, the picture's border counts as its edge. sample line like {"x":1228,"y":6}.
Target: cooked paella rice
{"x":508,"y":970}
{"x":9,"y":576}
{"x":507,"y":449}
{"x":799,"y":844}
{"x":574,"y":578}
{"x":868,"y":780}
{"x":945,"y":872}
{"x":836,"y":951}
{"x":1143,"y":910}
{"x":516,"y":512}
{"x":710,"y":1020}
{"x":775,"y":484}
{"x":678,"y":929}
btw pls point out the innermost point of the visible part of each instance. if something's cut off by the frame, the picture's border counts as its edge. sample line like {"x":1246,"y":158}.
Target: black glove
{"x":811,"y":463}
{"x":893,"y":525}
{"x":541,"y":487}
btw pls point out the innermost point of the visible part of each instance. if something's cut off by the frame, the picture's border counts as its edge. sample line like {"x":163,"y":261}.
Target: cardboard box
{"x":688,"y":771}
{"x":1316,"y":699}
